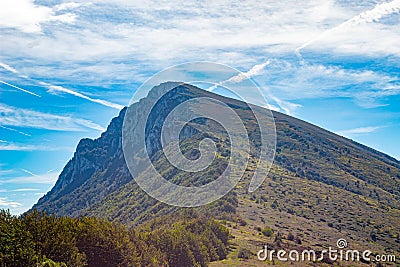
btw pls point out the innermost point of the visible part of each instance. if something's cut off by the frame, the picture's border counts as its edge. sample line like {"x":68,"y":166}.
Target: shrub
{"x":244,"y":253}
{"x":290,"y":237}
{"x":257,"y":228}
{"x":267,"y":232}
{"x":274,"y":204}
{"x":242,"y":222}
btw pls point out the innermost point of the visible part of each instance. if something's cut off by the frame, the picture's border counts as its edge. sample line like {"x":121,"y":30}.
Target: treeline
{"x":39,"y":239}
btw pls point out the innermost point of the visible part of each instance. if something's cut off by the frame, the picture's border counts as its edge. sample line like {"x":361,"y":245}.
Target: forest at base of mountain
{"x":39,"y":239}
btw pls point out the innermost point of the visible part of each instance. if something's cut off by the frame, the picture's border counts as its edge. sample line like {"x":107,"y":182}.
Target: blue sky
{"x":66,"y":68}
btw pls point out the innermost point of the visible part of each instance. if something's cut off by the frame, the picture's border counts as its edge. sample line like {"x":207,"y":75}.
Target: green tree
{"x":16,"y":244}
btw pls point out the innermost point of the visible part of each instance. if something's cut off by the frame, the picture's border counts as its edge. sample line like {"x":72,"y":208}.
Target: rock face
{"x":98,"y":166}
{"x":317,"y":177}
{"x":93,"y":158}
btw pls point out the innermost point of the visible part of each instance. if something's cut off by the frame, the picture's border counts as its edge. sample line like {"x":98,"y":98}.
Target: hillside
{"x":321,"y":187}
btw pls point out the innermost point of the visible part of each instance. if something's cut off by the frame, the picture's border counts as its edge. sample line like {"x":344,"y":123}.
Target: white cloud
{"x":4,"y":202}
{"x":13,"y":116}
{"x":24,"y":190}
{"x":8,"y":67}
{"x":157,"y":34}
{"x":288,"y":107}
{"x":372,"y":15}
{"x":24,"y":147}
{"x":132,"y":39}
{"x":4,"y":172}
{"x":294,"y":81}
{"x":360,"y":130}
{"x":273,"y":107}
{"x":47,"y":178}
{"x":26,"y":16}
{"x":364,"y":37}
{"x":377,"y":12}
{"x":69,"y":5}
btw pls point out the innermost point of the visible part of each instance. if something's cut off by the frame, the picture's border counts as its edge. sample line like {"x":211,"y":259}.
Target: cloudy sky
{"x":66,"y":68}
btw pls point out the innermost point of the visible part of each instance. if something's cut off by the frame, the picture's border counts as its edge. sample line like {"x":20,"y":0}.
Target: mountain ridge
{"x":83,"y":165}
{"x":330,"y":182}
{"x":116,"y":123}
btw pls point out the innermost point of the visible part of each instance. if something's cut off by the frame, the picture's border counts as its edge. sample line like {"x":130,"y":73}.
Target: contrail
{"x":28,"y":172}
{"x":13,"y":70}
{"x":19,"y":88}
{"x":8,"y":67}
{"x":373,"y":15}
{"x":57,"y":88}
{"x":11,"y":129}
{"x":255,"y":70}
{"x":77,"y":94}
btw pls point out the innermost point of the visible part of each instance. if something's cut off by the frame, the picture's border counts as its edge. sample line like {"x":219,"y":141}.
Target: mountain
{"x":321,"y":186}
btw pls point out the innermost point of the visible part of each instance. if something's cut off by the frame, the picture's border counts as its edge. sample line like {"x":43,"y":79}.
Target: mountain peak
{"x":311,"y":166}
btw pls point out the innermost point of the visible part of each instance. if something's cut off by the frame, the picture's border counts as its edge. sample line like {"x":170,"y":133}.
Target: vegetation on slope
{"x":46,"y":240}
{"x":321,"y":186}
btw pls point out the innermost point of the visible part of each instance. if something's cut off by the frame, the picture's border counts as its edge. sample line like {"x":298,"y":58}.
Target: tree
{"x":16,"y":244}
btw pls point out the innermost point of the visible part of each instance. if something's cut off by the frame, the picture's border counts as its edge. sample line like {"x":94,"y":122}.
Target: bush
{"x":290,"y":237}
{"x":50,"y":263}
{"x":291,"y":211}
{"x":267,"y":232}
{"x":244,"y":253}
{"x":242,"y":222}
{"x":274,"y":204}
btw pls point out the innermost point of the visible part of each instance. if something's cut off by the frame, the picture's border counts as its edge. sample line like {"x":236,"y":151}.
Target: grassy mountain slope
{"x":321,"y":187}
